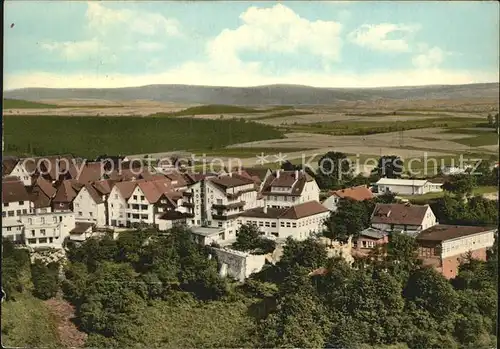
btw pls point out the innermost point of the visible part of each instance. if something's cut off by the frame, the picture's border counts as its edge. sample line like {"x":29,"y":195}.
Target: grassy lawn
{"x":22,"y":104}
{"x":92,"y":136}
{"x":195,"y":325}
{"x":27,"y":322}
{"x":485,"y":190}
{"x":479,"y":140}
{"x":367,"y":127}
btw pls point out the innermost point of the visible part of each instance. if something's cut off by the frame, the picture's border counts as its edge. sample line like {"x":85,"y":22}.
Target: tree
{"x":461,"y":185}
{"x":300,"y":319}
{"x":333,"y":169}
{"x":429,"y":290}
{"x":45,"y":279}
{"x":490,"y":120}
{"x":389,"y":166}
{"x":349,"y":220}
{"x":247,"y":238}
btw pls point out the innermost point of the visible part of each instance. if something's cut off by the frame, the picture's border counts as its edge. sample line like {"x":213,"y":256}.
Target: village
{"x":44,"y":208}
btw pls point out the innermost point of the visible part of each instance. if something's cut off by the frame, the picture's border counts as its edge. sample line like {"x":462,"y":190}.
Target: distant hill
{"x":260,"y":95}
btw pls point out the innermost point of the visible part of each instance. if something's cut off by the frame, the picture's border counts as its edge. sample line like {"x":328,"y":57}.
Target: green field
{"x":214,"y":109}
{"x":245,"y":152}
{"x":26,"y":322}
{"x":195,"y":325}
{"x":92,"y":136}
{"x":425,"y":197}
{"x":480,"y":140}
{"x":371,"y":127}
{"x":22,"y":104}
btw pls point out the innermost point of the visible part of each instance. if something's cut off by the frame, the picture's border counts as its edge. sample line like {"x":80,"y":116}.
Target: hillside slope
{"x":260,"y":95}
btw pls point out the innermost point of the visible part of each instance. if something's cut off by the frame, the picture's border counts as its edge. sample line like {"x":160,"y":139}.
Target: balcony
{"x":228,"y":206}
{"x":188,"y":204}
{"x":187,"y":194}
{"x":224,"y":217}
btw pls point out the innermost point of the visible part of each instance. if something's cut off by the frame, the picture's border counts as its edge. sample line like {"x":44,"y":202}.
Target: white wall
{"x":467,"y":243}
{"x":144,"y":212}
{"x":331,"y":203}
{"x":20,"y":172}
{"x":401,"y":189}
{"x":117,"y":208}
{"x":13,"y":210}
{"x":48,"y":230}
{"x":86,"y":210}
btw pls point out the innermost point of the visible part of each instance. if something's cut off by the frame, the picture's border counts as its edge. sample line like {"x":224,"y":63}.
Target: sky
{"x":73,"y":44}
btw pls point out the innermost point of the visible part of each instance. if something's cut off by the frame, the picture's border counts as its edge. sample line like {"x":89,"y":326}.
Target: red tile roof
{"x":13,"y":191}
{"x":66,"y":191}
{"x":399,"y":214}
{"x":358,"y":193}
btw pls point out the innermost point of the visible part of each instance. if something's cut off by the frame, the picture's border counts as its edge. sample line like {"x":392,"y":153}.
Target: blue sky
{"x":324,"y":44}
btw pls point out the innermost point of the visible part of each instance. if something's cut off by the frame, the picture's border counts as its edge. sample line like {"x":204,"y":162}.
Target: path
{"x":63,"y":312}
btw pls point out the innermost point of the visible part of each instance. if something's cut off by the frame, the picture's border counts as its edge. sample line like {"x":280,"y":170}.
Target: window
{"x":282,"y":224}
{"x":21,"y":202}
{"x":9,"y":228}
{"x":33,"y":232}
{"x":142,"y":197}
{"x":80,"y":213}
{"x":10,"y":213}
{"x":77,"y":204}
{"x":43,"y":220}
{"x":219,"y":224}
{"x":135,"y":197}
{"x":42,"y":240}
{"x":135,"y":216}
{"x":219,"y":201}
{"x":4,"y":213}
{"x":60,"y":218}
{"x":116,"y":196}
{"x":50,"y":240}
{"x":261,"y":224}
{"x":273,"y":224}
{"x":267,"y":224}
{"x":30,"y":221}
{"x":128,"y":215}
{"x":144,"y":216}
{"x":18,"y":212}
{"x":31,"y":241}
{"x":42,"y":231}
{"x":6,"y":204}
{"x":288,"y":224}
{"x":144,"y":207}
{"x":90,"y":214}
{"x":294,"y":225}
{"x":25,"y":211}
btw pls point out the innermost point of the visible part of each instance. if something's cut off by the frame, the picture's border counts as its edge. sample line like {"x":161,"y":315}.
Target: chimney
{"x":296,"y":174}
{"x":230,"y":174}
{"x":277,"y":173}
{"x":265,"y":208}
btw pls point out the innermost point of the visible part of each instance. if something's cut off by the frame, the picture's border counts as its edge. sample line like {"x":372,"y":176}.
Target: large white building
{"x":407,"y":186}
{"x":47,"y":229}
{"x":299,"y":222}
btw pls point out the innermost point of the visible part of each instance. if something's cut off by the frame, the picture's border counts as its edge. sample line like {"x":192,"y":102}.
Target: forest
{"x":152,"y":289}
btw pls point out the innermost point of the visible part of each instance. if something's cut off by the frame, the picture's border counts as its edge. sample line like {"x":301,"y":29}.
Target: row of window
{"x":43,"y":221}
{"x":137,"y":216}
{"x":6,"y":204}
{"x":33,"y":241}
{"x":284,"y":198}
{"x":14,"y":213}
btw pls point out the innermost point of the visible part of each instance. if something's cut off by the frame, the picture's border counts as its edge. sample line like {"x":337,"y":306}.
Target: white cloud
{"x":376,"y":37}
{"x":103,"y":19}
{"x":112,"y":30}
{"x":430,"y":57}
{"x":276,"y":29}
{"x":74,"y":50}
